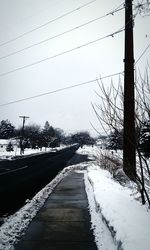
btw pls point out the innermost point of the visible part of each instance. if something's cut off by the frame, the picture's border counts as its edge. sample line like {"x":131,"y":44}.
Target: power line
{"x":142,"y":53}
{"x":61,"y":34}
{"x":59,"y":90}
{"x":62,"y":53}
{"x":45,"y":24}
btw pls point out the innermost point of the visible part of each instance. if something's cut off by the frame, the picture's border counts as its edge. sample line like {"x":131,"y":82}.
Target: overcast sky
{"x":70,"y":109}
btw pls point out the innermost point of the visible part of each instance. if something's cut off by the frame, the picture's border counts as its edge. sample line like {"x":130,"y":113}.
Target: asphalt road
{"x":27,"y":175}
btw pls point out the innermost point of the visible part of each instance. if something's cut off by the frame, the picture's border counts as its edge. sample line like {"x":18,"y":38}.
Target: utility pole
{"x":129,"y":150}
{"x":22,"y":134}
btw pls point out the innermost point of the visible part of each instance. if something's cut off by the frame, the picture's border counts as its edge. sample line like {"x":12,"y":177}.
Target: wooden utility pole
{"x":129,"y":151}
{"x":22,"y":134}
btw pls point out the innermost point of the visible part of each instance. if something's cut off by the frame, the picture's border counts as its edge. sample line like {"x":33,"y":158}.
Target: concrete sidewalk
{"x":63,"y":223}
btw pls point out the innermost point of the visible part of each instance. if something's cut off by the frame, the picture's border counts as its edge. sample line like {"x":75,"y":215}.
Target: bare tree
{"x":109,"y":112}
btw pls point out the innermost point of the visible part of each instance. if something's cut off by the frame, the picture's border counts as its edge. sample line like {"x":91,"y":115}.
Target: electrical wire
{"x":62,"y":53}
{"x":61,"y":89}
{"x":45,"y":24}
{"x":142,"y":53}
{"x":61,"y":34}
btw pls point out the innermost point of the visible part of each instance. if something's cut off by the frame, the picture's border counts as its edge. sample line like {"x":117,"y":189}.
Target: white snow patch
{"x":128,"y":218}
{"x":28,"y":151}
{"x":103,"y":237}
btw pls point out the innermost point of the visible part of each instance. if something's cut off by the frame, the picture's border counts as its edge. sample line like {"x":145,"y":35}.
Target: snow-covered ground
{"x":128,"y":220}
{"x":27,"y":151}
{"x":111,"y":206}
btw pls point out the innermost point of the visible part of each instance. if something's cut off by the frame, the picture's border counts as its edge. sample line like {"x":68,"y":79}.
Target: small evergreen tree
{"x":9,"y":147}
{"x":115,"y":140}
{"x":144,"y":142}
{"x":7,"y":130}
{"x":48,"y":132}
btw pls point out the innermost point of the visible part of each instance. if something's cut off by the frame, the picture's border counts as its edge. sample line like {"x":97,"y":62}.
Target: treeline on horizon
{"x":35,"y":136}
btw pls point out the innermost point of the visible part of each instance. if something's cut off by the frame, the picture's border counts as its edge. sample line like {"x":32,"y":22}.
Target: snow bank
{"x":127,"y":218}
{"x":103,"y":238}
{"x":28,"y":151}
{"x":16,"y":152}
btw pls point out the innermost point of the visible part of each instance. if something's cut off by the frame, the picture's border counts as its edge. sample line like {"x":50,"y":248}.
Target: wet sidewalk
{"x":63,"y":223}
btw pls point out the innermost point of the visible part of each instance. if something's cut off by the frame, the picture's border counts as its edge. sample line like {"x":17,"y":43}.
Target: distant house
{"x":102,"y":142}
{"x":4,"y":143}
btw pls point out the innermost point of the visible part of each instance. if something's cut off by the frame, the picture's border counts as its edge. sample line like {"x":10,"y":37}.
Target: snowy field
{"x":111,"y":206}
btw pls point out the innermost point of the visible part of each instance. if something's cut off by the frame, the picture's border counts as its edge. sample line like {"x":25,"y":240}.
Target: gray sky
{"x":71,"y":109}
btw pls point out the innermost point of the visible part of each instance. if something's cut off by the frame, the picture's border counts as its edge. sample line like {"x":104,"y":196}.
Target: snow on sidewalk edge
{"x":103,"y":234}
{"x":16,"y":224}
